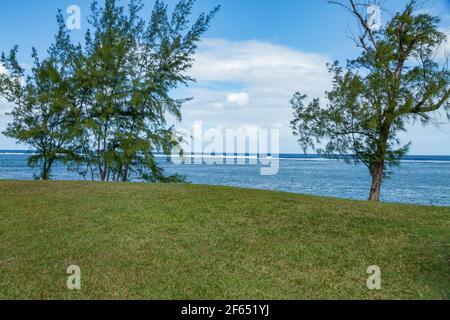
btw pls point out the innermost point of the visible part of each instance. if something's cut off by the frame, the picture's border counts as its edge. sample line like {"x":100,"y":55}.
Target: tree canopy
{"x":44,"y":117}
{"x":399,"y":78}
{"x":102,"y":106}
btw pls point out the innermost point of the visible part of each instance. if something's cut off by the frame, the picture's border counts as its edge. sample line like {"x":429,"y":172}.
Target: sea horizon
{"x":283,"y":155}
{"x":421,"y":179}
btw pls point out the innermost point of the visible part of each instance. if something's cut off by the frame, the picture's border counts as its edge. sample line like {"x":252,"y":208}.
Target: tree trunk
{"x":378,"y":169}
{"x":46,"y":169}
{"x":377,"y":179}
{"x":45,"y":174}
{"x":125,"y":173}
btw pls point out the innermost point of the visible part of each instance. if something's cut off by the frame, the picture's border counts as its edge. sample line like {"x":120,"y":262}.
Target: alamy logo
{"x":74,"y":280}
{"x":374,"y":17}
{"x":74,"y":19}
{"x":374,"y":280}
{"x":249,"y":145}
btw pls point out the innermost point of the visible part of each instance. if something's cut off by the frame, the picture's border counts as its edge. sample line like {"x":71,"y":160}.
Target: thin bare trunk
{"x":377,"y":179}
{"x":46,"y":169}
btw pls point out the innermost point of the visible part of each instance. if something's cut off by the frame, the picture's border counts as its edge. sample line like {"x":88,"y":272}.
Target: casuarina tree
{"x":400,"y":77}
{"x":102,"y":107}
{"x":126,"y":79}
{"x":43,"y":117}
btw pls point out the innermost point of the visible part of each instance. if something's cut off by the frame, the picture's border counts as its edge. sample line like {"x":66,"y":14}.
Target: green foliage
{"x":43,"y":117}
{"x":128,"y":72}
{"x":395,"y":81}
{"x":102,"y":107}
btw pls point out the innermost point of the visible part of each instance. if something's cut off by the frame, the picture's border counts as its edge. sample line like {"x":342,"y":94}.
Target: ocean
{"x":421,"y":180}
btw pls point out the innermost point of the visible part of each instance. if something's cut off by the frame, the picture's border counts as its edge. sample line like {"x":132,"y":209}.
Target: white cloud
{"x":5,"y":107}
{"x":444,"y":49}
{"x":269,"y":74}
{"x":217,"y":105}
{"x":248,"y":83}
{"x":241,"y":99}
{"x":264,"y":66}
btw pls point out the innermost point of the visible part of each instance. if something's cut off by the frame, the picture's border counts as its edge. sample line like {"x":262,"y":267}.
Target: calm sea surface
{"x":419,"y":179}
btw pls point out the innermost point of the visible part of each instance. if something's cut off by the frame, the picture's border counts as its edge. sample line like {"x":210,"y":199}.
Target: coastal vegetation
{"x":101,"y":107}
{"x":400,"y":77}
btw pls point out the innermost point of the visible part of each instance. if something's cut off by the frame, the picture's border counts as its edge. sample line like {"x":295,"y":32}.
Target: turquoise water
{"x":419,"y":179}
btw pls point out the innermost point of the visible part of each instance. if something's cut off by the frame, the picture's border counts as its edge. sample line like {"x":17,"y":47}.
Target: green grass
{"x":139,"y":241}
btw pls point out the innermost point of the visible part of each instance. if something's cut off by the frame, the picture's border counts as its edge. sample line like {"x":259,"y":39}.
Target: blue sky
{"x":256,"y":54}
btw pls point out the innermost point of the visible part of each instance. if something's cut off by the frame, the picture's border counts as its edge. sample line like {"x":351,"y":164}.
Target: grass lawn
{"x":142,"y":241}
